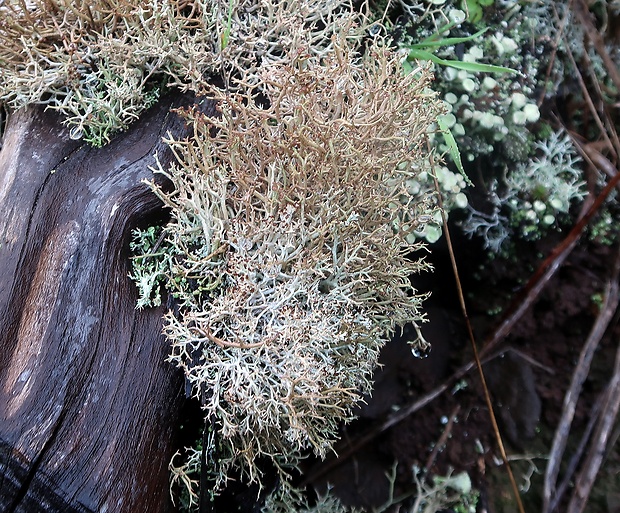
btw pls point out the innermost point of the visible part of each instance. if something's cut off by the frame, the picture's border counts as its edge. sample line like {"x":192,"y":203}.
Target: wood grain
{"x":88,"y":405}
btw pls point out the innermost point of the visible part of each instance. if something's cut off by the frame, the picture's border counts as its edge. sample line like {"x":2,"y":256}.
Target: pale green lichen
{"x":530,"y":200}
{"x":101,"y":64}
{"x":288,"y":272}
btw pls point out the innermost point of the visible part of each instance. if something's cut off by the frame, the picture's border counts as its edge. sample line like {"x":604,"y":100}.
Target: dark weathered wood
{"x":88,"y":405}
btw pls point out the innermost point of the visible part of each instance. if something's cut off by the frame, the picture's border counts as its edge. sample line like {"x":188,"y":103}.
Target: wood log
{"x":88,"y":406}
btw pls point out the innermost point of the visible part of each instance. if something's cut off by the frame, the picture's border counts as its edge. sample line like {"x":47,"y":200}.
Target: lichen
{"x":292,"y":275}
{"x":531,"y":198}
{"x":101,"y":64}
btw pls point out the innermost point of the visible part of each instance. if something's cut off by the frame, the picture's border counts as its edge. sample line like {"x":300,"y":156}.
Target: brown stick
{"x":583,"y":14}
{"x":610,"y":305}
{"x":585,"y":479}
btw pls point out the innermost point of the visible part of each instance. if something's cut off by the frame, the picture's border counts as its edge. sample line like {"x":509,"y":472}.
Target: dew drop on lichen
{"x":421,"y":351}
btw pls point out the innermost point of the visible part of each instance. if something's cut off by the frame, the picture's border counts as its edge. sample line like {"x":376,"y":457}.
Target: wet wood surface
{"x":88,"y":405}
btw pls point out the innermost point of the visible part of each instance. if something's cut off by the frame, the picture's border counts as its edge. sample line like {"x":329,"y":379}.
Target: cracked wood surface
{"x":88,"y":405}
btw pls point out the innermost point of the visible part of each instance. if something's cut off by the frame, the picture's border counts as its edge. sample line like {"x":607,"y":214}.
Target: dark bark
{"x":88,"y":405}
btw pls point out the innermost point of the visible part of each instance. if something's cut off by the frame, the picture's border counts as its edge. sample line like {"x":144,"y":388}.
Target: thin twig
{"x":442,"y":439}
{"x":582,"y":13}
{"x":597,"y":158}
{"x":529,"y":360}
{"x":576,"y":457}
{"x":585,"y":479}
{"x":589,"y":101}
{"x":487,"y":395}
{"x":609,"y":124}
{"x":610,"y":304}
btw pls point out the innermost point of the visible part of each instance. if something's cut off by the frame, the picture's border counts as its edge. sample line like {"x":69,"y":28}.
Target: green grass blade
{"x":226,"y":34}
{"x":475,"y":67}
{"x":452,"y":148}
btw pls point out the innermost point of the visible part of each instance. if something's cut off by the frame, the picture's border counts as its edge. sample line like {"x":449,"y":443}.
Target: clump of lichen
{"x":66,"y":55}
{"x":528,"y":173}
{"x":102,"y":63}
{"x":488,"y":113}
{"x":532,"y":198}
{"x":489,"y":109}
{"x":289,"y":274}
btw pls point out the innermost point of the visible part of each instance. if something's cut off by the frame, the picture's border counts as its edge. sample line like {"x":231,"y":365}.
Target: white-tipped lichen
{"x":532,"y":197}
{"x":288,"y":270}
{"x":102,"y":63}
